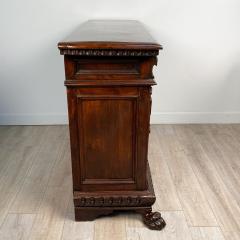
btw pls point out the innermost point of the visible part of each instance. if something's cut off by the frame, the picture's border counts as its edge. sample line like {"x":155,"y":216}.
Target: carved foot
{"x":153,"y":220}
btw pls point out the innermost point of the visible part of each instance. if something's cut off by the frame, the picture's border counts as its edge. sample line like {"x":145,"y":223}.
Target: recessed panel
{"x":106,"y":68}
{"x":107,"y":138}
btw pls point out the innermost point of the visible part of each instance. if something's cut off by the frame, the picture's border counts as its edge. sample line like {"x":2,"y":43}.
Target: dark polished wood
{"x":114,"y":34}
{"x":108,"y":68}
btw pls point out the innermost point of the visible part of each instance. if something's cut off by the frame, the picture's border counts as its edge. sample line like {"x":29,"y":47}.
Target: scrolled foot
{"x":154,"y":220}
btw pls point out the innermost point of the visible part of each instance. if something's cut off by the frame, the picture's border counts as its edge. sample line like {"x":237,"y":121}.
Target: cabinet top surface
{"x":110,"y":34}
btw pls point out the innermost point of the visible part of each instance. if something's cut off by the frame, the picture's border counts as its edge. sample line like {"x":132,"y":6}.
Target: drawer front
{"x":106,"y":121}
{"x":108,"y":68}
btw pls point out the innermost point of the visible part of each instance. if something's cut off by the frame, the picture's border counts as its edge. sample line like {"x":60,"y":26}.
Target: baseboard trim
{"x":33,"y":119}
{"x":156,"y":118}
{"x":194,"y":117}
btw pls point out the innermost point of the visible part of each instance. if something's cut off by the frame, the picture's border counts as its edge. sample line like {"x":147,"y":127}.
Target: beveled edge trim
{"x":142,"y":82}
{"x":119,"y":52}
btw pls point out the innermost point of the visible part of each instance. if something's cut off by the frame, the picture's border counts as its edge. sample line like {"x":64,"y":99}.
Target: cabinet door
{"x":106,"y":129}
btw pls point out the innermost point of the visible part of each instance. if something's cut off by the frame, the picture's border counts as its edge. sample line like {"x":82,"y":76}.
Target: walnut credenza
{"x":108,"y":69}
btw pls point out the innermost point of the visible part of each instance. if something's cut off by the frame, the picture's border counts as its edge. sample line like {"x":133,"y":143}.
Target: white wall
{"x":198,"y":71}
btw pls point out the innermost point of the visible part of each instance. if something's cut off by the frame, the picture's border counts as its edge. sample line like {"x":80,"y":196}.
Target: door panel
{"x":107,"y":136}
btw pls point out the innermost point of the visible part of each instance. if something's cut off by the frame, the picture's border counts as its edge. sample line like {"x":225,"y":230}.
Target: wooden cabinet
{"x":108,"y":68}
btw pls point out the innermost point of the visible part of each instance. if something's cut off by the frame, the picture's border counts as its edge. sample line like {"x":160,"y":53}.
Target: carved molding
{"x":113,"y":201}
{"x":95,"y":52}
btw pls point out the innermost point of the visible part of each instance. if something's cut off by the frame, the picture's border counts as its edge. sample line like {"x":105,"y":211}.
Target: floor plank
{"x":206,"y":233}
{"x":191,"y":195}
{"x":154,"y":147}
{"x":61,"y":174}
{"x":77,"y":230}
{"x":165,"y":190}
{"x":6,"y":200}
{"x":221,"y":148}
{"x":26,"y":201}
{"x":110,"y":227}
{"x":224,"y":206}
{"x":50,"y":151}
{"x":18,"y":157}
{"x":51,"y":215}
{"x":176,"y":229}
{"x":17,"y":227}
{"x":70,"y":207}
{"x":35,"y":183}
{"x":231,"y":235}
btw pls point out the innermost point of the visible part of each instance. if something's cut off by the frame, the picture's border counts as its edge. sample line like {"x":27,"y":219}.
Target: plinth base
{"x":90,"y":205}
{"x":152,"y":220}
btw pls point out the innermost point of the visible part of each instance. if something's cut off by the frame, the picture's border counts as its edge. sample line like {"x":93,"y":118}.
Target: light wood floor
{"x":195,"y":170}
